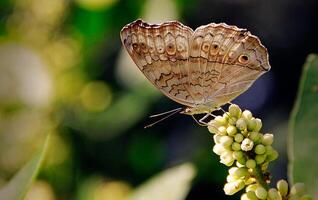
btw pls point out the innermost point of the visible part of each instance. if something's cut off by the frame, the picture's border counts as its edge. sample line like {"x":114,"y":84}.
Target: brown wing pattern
{"x":215,"y":63}
{"x":161,"y":52}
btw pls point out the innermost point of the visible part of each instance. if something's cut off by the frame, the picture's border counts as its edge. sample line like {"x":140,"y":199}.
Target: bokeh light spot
{"x":96,"y":96}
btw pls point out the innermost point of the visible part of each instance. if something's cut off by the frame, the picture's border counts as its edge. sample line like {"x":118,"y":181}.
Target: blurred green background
{"x":63,"y":71}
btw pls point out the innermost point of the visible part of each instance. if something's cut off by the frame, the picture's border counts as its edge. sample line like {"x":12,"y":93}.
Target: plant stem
{"x":260,"y":177}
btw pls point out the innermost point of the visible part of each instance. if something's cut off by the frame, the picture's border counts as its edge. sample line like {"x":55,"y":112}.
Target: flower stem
{"x":260,"y":177}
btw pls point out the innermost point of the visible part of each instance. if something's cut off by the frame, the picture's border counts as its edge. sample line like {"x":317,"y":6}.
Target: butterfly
{"x":202,"y":69}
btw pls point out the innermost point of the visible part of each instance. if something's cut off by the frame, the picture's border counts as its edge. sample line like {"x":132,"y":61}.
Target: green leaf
{"x":172,"y":184}
{"x":303,"y":130}
{"x":18,"y":186}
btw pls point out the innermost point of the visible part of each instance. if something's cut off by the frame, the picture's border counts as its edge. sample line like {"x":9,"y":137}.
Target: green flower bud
{"x":260,"y":149}
{"x":273,"y":194}
{"x":261,"y":193}
{"x":247,"y":114}
{"x":235,"y":110}
{"x":249,"y":180}
{"x":258,"y":125}
{"x":233,"y":187}
{"x":268,"y":139}
{"x":282,"y":187}
{"x":227,"y":158}
{"x":298,"y":189}
{"x":222,"y":130}
{"x":239,"y":172}
{"x":255,"y":137}
{"x":226,"y":141}
{"x":306,"y":197}
{"x":272,"y":156}
{"x":241,"y":162}
{"x":226,"y":116}
{"x":217,"y":139}
{"x":238,"y":138}
{"x":250,"y":164}
{"x":269,"y":149}
{"x":238,"y":154}
{"x":241,"y":124}
{"x":247,"y":144}
{"x":236,"y":146}
{"x":260,"y":159}
{"x":251,"y":124}
{"x":220,"y":120}
{"x":232,"y":121}
{"x":219,"y":149}
{"x":251,"y":195}
{"x":264,"y":166}
{"x":231,"y":130}
{"x":251,"y":187}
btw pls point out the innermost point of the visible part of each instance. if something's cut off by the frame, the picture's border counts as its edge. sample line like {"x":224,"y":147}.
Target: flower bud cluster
{"x":297,"y":192}
{"x":238,"y":140}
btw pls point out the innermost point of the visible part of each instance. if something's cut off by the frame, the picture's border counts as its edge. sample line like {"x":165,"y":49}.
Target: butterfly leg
{"x":201,"y":123}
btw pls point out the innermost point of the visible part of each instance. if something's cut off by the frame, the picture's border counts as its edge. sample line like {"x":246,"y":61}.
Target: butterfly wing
{"x":210,"y":66}
{"x":225,"y":61}
{"x":161,"y":52}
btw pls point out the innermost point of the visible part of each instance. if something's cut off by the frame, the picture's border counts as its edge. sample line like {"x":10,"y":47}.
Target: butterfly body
{"x":202,"y":69}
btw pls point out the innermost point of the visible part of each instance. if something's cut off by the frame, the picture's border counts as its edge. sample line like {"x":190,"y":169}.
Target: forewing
{"x":161,"y":52}
{"x":225,"y":61}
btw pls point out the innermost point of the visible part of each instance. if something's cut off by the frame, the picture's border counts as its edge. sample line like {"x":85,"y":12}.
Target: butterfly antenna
{"x":164,"y":113}
{"x":172,"y":112}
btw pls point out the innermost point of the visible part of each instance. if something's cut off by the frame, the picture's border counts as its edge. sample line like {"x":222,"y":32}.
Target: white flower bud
{"x":231,"y":178}
{"x":220,"y":120}
{"x":258,"y":125}
{"x":233,"y":187}
{"x":247,"y":114}
{"x":247,"y":144}
{"x":227,"y":158}
{"x":221,"y":130}
{"x":231,"y":130}
{"x":217,"y":139}
{"x":244,"y":197}
{"x":218,"y":149}
{"x":261,"y":193}
{"x":268,"y":139}
{"x":282,"y":187}
{"x":226,"y":141}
